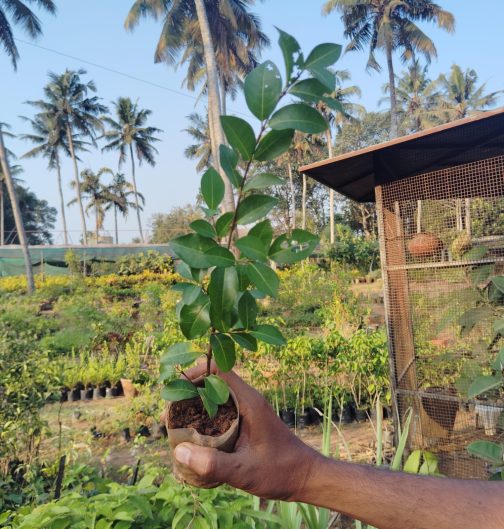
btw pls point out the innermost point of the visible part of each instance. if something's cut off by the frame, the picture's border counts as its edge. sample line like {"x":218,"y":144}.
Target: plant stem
{"x":209,"y":359}
{"x":184,"y":375}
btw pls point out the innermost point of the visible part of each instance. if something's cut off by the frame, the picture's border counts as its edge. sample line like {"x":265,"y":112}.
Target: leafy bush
{"x":151,"y":261}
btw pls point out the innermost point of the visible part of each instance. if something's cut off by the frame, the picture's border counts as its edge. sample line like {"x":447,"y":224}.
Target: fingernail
{"x":182,"y":454}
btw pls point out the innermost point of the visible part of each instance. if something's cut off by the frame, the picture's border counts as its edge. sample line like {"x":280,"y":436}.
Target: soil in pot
{"x":192,"y":414}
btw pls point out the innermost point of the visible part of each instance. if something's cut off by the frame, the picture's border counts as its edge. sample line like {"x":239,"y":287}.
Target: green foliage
{"x":227,"y":275}
{"x":150,"y":261}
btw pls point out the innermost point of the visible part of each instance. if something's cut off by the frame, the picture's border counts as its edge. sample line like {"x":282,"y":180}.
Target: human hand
{"x":269,"y":460}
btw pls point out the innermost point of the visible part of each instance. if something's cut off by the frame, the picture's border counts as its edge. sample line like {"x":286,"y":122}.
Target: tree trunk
{"x":223,"y":96}
{"x":137,"y":205}
{"x":293,"y":196}
{"x":331,"y":191}
{"x":394,"y":127}
{"x":115,"y":224}
{"x":62,"y":201}
{"x":2,"y":215}
{"x":214,"y":108}
{"x":77,"y":185}
{"x":17,"y":215}
{"x":304,"y":203}
{"x":419,"y":217}
{"x":97,"y":225}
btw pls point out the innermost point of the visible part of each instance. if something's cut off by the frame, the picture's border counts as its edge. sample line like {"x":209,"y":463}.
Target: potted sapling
{"x":225,"y":272}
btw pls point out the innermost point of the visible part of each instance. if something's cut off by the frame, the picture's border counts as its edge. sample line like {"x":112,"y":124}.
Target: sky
{"x":91,"y":35}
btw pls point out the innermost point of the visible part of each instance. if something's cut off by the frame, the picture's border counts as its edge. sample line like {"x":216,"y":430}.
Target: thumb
{"x":210,"y":465}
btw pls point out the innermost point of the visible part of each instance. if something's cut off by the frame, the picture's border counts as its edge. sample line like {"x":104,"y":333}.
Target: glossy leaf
{"x":264,"y":231}
{"x":203,"y":228}
{"x":498,"y":363}
{"x":255,"y":207}
{"x":240,"y":135}
{"x":488,"y":451}
{"x":179,"y":390}
{"x":323,"y":55}
{"x":291,"y":52}
{"x":223,"y":349}
{"x":269,"y":334}
{"x":252,"y":247}
{"x":223,"y":224}
{"x":209,"y":213}
{"x":184,"y":270}
{"x":263,"y":181}
{"x":245,"y":340}
{"x":308,"y":89}
{"x":195,"y":318}
{"x":166,"y":372}
{"x":498,"y":281}
{"x":483,"y":384}
{"x":191,"y":249}
{"x":325,"y":76}
{"x":247,"y":310}
{"x":219,"y":256}
{"x":264,"y":278}
{"x":217,"y":389}
{"x":180,"y":354}
{"x":223,"y":288}
{"x":210,"y":406}
{"x":229,"y":160}
{"x":274,"y":144}
{"x":212,"y":188}
{"x":262,"y":88}
{"x":243,"y":278}
{"x":181,"y":287}
{"x":288,"y":250}
{"x":298,"y":116}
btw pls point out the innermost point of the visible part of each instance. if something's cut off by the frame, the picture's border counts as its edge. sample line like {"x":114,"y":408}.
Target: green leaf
{"x":223,"y":223}
{"x":191,"y":249}
{"x":483,"y":384}
{"x":479,"y":274}
{"x":498,"y":327}
{"x":184,"y":270}
{"x":243,"y":278}
{"x":264,"y":231}
{"x":180,"y":354}
{"x":203,"y":228}
{"x":488,"y":451}
{"x":220,"y":257}
{"x":240,"y":135}
{"x":195,"y":318}
{"x":300,"y":117}
{"x":245,"y":340}
{"x":333,"y":104}
{"x":247,"y":310}
{"x":166,"y":372}
{"x":210,"y":406}
{"x":254,"y":207}
{"x":472,"y":317}
{"x":263,"y":181}
{"x":264,"y":278}
{"x":262,"y":88}
{"x":223,"y":349}
{"x":198,"y":274}
{"x":325,"y":76}
{"x":229,"y":160}
{"x":217,"y":389}
{"x":182,"y":287}
{"x":179,"y":390}
{"x":212,"y":188}
{"x":498,"y":281}
{"x":291,"y":52}
{"x":498,"y":363}
{"x":288,"y":250}
{"x":269,"y":334}
{"x":252,"y":247}
{"x":412,"y":464}
{"x":209,"y":213}
{"x":223,"y":290}
{"x":309,"y":90}
{"x":323,"y":55}
{"x":274,"y":144}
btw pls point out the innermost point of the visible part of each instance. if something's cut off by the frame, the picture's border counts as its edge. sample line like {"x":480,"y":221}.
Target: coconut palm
{"x":461,"y":96}
{"x":201,"y":148}
{"x":117,"y":194}
{"x":14,"y":171}
{"x":221,"y":25}
{"x":390,"y":25}
{"x":68,"y":103}
{"x":22,"y":16}
{"x":130,"y":136}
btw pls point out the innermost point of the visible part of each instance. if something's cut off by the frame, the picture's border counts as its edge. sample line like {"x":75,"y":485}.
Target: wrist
{"x":312,"y":472}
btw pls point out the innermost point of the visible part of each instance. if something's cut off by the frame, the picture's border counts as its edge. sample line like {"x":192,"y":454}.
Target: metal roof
{"x":356,"y":174}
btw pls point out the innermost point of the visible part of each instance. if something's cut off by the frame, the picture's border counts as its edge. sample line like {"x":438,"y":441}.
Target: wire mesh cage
{"x":442,"y":242}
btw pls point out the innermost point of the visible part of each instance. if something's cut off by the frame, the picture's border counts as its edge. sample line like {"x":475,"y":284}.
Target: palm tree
{"x":129,"y":135}
{"x":221,"y":26}
{"x":96,"y":193}
{"x":16,"y":210}
{"x":14,"y":171}
{"x":117,"y":194}
{"x":22,"y":16}
{"x":50,"y":140}
{"x":201,"y":149}
{"x":68,"y":103}
{"x":390,"y":25}
{"x":461,"y":96}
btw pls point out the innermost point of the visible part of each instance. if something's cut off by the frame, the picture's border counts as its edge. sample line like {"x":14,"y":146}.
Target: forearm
{"x":392,"y":500}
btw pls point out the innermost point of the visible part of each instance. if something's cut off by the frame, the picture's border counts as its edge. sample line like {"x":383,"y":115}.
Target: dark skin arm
{"x":271,"y":462}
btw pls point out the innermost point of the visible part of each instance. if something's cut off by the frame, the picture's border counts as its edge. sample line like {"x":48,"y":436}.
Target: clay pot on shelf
{"x":425,"y":245}
{"x":224,"y":441}
{"x":128,"y":388}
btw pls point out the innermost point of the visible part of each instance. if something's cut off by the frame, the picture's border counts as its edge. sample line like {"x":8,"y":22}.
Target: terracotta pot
{"x":128,"y":388}
{"x":424,"y":245}
{"x":224,"y":442}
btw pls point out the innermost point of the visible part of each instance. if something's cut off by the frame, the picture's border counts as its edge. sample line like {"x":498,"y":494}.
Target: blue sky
{"x":93,"y":31}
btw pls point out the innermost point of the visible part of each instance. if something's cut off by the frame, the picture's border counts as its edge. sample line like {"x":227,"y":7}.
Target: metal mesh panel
{"x":442,"y":236}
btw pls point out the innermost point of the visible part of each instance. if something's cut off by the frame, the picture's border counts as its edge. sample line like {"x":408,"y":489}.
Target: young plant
{"x":225,"y":272}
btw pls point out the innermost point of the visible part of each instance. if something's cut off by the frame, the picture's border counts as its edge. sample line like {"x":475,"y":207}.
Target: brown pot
{"x":225,"y":442}
{"x":128,"y":388}
{"x":424,"y":245}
